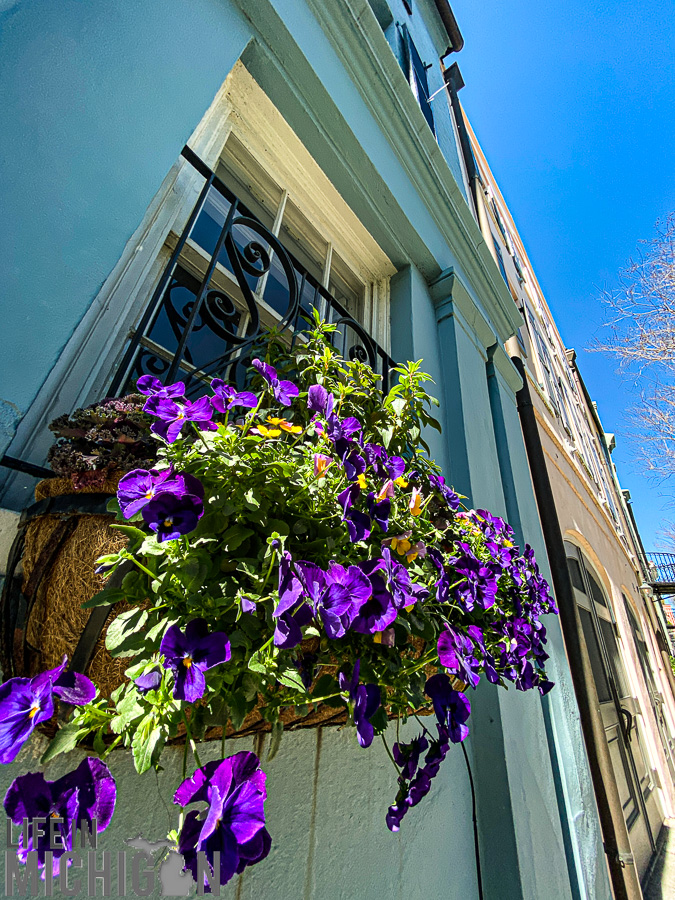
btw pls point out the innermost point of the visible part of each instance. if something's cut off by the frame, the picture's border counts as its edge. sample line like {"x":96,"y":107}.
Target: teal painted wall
{"x":98,"y":99}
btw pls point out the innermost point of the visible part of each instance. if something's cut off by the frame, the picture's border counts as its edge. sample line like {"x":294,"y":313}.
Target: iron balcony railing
{"x":229,"y":283}
{"x":661,"y":568}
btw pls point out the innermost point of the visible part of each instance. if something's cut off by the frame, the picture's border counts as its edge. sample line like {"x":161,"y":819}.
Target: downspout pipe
{"x":623,"y":874}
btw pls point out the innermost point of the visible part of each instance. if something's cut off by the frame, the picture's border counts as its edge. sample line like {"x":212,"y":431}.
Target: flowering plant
{"x":293,"y":548}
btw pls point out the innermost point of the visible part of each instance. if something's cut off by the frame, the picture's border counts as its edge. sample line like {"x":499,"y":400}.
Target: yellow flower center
{"x":187,"y":662}
{"x":148,"y":496}
{"x":168,"y":522}
{"x":34,"y":711}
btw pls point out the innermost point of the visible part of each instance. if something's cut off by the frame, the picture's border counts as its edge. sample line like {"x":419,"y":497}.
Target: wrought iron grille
{"x":662,"y":568}
{"x":204,"y":323}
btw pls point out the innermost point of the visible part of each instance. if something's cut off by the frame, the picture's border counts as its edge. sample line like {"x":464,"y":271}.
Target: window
{"x":416,"y":73}
{"x":500,"y":261}
{"x":268,"y":240}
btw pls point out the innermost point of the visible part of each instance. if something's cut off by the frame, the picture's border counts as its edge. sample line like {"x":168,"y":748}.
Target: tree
{"x":641,"y":316}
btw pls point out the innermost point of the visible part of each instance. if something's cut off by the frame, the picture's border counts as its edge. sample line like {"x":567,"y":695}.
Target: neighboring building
{"x":625,"y":631}
{"x":330,"y":124}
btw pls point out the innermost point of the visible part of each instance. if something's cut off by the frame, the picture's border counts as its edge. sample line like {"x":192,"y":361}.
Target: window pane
{"x":609,"y":638}
{"x":622,"y":775}
{"x":596,"y":591}
{"x":594,"y":652}
{"x":346,"y":287}
{"x":575,"y":574}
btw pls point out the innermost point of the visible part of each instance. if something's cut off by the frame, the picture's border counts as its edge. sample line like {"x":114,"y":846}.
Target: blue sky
{"x":574,"y":106}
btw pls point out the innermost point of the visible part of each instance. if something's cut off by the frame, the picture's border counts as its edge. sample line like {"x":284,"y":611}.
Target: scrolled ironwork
{"x":249,"y":250}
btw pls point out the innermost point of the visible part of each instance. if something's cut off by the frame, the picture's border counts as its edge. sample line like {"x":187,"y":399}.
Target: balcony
{"x":662,"y":572}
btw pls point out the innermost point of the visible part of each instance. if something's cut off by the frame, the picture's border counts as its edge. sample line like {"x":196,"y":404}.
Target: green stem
{"x":142,"y":567}
{"x":252,"y":415}
{"x":267,"y":577}
{"x":193,"y":746}
{"x":389,"y":754}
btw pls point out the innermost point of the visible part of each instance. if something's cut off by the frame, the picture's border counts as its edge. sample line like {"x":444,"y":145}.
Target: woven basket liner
{"x":57,"y":619}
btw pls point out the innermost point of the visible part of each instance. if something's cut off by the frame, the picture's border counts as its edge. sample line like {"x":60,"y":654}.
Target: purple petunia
{"x":233,"y":823}
{"x":190,"y":653}
{"x":173,"y":415}
{"x":365,"y":701}
{"x":82,"y":796}
{"x":226,"y":397}
{"x":284,"y":391}
{"x":25,"y":702}
{"x":137,"y":488}
{"x":171,"y":516}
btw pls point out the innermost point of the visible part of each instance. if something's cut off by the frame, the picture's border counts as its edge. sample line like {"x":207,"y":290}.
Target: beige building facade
{"x":623,"y":626}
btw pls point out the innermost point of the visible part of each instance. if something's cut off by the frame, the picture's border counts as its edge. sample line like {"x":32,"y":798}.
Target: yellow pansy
{"x":415,"y":502}
{"x":267,"y":432}
{"x":361,"y":481}
{"x":401,"y":482}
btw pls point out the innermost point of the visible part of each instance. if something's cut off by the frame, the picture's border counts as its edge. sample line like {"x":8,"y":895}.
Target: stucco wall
{"x":98,"y":100}
{"x":327,"y":799}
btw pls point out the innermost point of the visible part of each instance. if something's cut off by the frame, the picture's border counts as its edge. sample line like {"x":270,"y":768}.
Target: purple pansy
{"x":320,"y":401}
{"x":137,"y":488}
{"x":171,"y":516}
{"x":153,"y":387}
{"x":291,"y":612}
{"x":365,"y":700}
{"x":403,"y":591}
{"x":190,"y":653}
{"x":87,"y":793}
{"x":148,"y":681}
{"x":173,"y":415}
{"x":408,"y":755}
{"x":379,"y":511}
{"x":480,"y":585}
{"x":455,"y":653}
{"x":233,"y":822}
{"x":378,"y":612}
{"x":452,"y":707}
{"x":226,"y":397}
{"x":395,"y":466}
{"x":25,"y":702}
{"x":346,"y":590}
{"x":450,"y":497}
{"x":284,"y":391}
{"x":358,"y":525}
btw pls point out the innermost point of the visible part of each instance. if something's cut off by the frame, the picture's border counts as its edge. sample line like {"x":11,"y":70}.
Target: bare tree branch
{"x":641,"y":320}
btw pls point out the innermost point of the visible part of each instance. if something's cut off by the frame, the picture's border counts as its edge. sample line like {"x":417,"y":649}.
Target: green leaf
{"x":152,"y":547}
{"x":252,"y":499}
{"x":291,"y":678}
{"x":256,"y":664}
{"x":125,"y":636}
{"x":64,"y":741}
{"x":135,"y":535}
{"x":107,"y":597}
{"x":275,"y":739}
{"x":235,"y":536}
{"x":143,"y":744}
